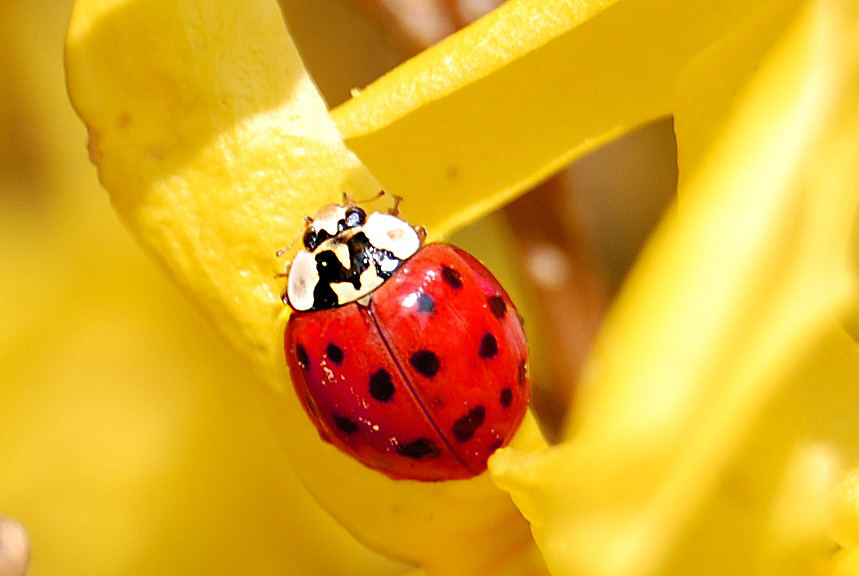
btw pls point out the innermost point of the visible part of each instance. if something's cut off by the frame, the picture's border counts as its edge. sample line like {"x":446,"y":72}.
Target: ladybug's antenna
{"x":394,"y":210}
{"x":308,"y":220}
{"x":348,"y":200}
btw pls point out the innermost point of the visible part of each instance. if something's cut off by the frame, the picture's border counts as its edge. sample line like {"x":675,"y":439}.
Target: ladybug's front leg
{"x":285,"y":273}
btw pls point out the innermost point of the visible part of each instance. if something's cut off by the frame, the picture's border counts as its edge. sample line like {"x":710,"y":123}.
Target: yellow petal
{"x":845,"y":528}
{"x":213,"y":143}
{"x":845,"y":563}
{"x":497,"y":107}
{"x":686,"y":453}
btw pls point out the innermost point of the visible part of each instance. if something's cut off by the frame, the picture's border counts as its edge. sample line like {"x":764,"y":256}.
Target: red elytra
{"x":424,"y":382}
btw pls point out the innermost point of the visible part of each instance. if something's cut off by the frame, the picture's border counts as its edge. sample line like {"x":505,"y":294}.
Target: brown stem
{"x":569,"y":290}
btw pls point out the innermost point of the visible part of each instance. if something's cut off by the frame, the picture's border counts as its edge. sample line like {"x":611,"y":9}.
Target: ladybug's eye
{"x":355,"y":216}
{"x":311,"y":240}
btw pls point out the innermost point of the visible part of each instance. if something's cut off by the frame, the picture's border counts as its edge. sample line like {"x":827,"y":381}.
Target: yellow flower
{"x":716,"y":408}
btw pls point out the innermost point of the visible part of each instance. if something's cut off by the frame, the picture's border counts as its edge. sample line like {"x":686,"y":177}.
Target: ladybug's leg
{"x":284,"y":274}
{"x":421,"y":232}
{"x":395,"y":209}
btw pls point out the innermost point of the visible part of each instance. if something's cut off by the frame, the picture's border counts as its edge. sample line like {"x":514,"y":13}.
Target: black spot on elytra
{"x":421,"y":448}
{"x":497,"y":305}
{"x":523,"y":373}
{"x":451,"y":276}
{"x":425,"y":362}
{"x":488,"y":346}
{"x":381,"y":387}
{"x":425,"y":303}
{"x":466,"y":426}
{"x":335,"y":354}
{"x":345,"y":425}
{"x":301,"y":356}
{"x":506,"y":398}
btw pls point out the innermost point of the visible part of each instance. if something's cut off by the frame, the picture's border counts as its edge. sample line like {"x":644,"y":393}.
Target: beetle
{"x":409,"y":357}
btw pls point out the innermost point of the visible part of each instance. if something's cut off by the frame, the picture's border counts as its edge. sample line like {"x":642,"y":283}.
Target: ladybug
{"x":410,"y":358}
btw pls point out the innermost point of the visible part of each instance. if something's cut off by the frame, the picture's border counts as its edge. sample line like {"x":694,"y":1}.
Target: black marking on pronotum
{"x":420,"y":448}
{"x":381,"y":386}
{"x":301,"y":356}
{"x":345,"y":425}
{"x":362,"y":255}
{"x":330,"y":270}
{"x":451,"y":276}
{"x":465,"y":427}
{"x":425,"y":362}
{"x":497,"y":306}
{"x":488,"y":346}
{"x":335,"y":353}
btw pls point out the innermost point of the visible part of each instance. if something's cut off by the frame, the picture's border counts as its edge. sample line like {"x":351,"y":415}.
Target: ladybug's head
{"x":347,"y":254}
{"x":330,"y":221}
